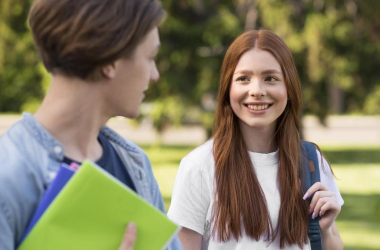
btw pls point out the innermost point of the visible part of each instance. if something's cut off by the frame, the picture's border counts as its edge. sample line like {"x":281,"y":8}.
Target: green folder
{"x":92,"y":211}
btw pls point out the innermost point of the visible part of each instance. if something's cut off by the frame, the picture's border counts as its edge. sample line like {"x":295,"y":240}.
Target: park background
{"x":336,"y":47}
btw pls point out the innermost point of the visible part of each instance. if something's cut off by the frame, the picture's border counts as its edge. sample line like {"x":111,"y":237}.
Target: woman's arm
{"x":331,"y":238}
{"x":190,"y":239}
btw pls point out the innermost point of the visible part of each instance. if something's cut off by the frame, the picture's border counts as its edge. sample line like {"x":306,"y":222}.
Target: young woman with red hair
{"x":242,"y":189}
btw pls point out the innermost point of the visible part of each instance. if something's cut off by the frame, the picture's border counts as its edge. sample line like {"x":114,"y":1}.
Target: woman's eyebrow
{"x":265,"y":72}
{"x":270,"y":71}
{"x":244,"y":72}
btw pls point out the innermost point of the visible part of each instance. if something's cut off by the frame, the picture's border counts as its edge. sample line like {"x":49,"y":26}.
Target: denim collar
{"x":55,"y":148}
{"x":51,"y":145}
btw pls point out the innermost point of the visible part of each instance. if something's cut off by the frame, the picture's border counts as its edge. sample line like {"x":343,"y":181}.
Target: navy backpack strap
{"x":312,"y":176}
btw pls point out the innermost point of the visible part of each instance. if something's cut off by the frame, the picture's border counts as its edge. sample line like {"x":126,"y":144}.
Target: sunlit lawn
{"x":358,"y":173}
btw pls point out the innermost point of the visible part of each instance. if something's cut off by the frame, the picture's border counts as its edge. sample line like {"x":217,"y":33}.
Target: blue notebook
{"x":64,"y":174}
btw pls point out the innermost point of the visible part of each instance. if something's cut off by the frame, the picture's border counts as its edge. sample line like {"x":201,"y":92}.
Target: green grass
{"x":359,"y":220}
{"x":165,"y":161}
{"x":358,"y":177}
{"x":352,"y":155}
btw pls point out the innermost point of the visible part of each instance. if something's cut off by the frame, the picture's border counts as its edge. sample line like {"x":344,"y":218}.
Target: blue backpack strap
{"x":311,"y":176}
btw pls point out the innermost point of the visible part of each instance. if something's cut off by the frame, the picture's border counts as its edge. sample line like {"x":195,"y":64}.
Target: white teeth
{"x":258,"y":107}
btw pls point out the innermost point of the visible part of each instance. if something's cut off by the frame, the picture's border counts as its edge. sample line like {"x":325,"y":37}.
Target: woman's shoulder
{"x":202,"y":152}
{"x":201,"y":156}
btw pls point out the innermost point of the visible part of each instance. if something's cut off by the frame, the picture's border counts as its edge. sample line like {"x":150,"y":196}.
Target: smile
{"x":258,"y":107}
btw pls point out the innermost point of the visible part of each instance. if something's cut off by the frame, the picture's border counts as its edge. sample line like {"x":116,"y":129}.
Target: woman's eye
{"x":271,"y":79}
{"x":243,"y":79}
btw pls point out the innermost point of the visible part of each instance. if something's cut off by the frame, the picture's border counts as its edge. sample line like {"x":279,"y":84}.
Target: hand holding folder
{"x":92,"y":211}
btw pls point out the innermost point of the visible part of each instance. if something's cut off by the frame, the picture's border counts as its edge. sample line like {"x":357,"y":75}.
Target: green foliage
{"x":330,"y":41}
{"x":194,"y":37}
{"x":20,"y":78}
{"x":33,"y":102}
{"x":336,"y":46}
{"x":372,"y":103}
{"x":166,"y":111}
{"x":207,"y":121}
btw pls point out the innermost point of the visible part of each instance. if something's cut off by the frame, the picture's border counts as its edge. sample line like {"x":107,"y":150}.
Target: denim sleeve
{"x":158,"y":201}
{"x":6,"y":231}
{"x":21,"y":185}
{"x":7,"y":220}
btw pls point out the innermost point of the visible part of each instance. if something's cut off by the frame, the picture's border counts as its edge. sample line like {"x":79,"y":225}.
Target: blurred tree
{"x":20,"y":71}
{"x":335,"y":43}
{"x":194,"y":37}
{"x":336,"y":47}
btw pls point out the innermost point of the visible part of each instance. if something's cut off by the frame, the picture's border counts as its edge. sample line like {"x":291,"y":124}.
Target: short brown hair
{"x":78,"y":37}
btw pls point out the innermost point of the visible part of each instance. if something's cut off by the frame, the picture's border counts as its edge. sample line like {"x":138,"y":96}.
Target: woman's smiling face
{"x":258,"y":93}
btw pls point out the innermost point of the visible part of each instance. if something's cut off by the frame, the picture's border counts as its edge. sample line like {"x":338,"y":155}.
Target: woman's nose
{"x":257,"y":89}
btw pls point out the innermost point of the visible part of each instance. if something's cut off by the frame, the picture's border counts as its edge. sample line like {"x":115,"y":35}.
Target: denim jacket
{"x":29,"y":160}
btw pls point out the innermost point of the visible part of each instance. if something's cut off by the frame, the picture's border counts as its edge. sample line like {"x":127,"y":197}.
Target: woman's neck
{"x":71,"y":112}
{"x":260,"y":139}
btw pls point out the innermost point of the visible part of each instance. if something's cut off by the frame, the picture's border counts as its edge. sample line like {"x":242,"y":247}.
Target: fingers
{"x":323,"y":200}
{"x":332,"y":206}
{"x":328,"y":212}
{"x":321,"y":197}
{"x":314,"y":188}
{"x":129,"y":237}
{"x":322,"y":205}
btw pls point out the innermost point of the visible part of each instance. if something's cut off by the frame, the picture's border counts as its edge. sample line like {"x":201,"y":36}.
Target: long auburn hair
{"x":240,"y":201}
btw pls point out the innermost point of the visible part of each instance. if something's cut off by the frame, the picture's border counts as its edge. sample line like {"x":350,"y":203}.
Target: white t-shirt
{"x":192,"y":197}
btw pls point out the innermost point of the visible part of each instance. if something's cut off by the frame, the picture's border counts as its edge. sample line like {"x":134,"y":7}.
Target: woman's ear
{"x":109,"y":71}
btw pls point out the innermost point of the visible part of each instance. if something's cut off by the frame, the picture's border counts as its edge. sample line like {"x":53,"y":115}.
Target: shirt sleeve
{"x":327,"y":178}
{"x":6,"y":230}
{"x":191,"y":197}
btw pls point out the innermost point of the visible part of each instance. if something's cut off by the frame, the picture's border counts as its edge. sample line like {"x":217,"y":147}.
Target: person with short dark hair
{"x":101,"y":55}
